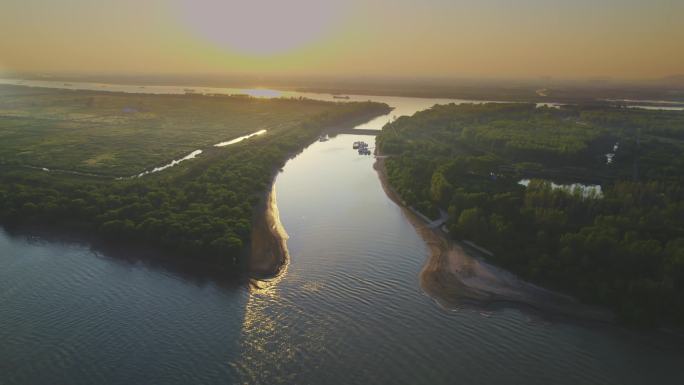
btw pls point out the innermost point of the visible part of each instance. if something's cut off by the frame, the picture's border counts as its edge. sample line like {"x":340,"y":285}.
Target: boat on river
{"x":359,"y":145}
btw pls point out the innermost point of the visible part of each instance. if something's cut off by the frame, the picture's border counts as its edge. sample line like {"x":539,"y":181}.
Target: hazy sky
{"x":465,"y":38}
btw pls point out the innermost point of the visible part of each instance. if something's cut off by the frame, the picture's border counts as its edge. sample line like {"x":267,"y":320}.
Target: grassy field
{"x":120,"y":134}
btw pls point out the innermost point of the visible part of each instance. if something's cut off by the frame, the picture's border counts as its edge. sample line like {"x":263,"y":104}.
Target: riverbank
{"x":268,"y":254}
{"x":456,"y":278}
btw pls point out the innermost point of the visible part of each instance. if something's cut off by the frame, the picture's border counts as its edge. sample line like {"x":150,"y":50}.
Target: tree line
{"x":623,"y":248}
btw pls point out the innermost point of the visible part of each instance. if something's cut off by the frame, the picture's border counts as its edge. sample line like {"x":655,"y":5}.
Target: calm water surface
{"x":349,"y":309}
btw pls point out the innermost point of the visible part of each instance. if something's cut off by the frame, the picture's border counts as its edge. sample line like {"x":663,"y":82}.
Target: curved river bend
{"x":349,"y":308}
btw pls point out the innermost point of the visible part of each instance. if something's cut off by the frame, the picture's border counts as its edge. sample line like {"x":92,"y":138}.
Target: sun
{"x":261,"y":27}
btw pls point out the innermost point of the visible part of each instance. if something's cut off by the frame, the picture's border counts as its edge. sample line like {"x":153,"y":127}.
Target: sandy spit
{"x":457,"y":276}
{"x":269,"y":253}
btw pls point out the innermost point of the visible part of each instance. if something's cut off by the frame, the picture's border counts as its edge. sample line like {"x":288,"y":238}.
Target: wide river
{"x":348,"y":309}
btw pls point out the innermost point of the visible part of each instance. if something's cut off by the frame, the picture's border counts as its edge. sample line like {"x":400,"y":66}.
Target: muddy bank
{"x":456,"y":275}
{"x":269,"y":254}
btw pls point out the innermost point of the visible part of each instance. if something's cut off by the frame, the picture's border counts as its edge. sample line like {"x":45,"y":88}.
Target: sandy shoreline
{"x":456,"y":278}
{"x":269,"y":255}
{"x":454,"y":274}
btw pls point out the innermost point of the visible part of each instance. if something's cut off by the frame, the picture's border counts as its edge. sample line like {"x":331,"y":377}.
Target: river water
{"x":348,"y":309}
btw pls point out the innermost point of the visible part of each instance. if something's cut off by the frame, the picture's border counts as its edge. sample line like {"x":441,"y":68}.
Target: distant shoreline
{"x":636,"y":95}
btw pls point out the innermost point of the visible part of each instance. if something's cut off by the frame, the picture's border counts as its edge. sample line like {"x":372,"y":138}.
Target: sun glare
{"x":260,"y":27}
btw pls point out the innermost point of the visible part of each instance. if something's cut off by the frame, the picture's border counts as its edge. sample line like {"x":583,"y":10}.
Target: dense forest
{"x":622,"y":247}
{"x":201,"y":209}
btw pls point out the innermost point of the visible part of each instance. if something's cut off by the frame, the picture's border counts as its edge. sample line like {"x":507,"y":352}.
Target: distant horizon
{"x":282,"y":77}
{"x":535,"y":90}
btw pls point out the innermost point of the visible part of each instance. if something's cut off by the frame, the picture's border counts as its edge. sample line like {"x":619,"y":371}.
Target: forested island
{"x":622,"y":246}
{"x":201,"y":209}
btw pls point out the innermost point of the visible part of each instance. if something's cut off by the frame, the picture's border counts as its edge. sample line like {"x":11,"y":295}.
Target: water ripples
{"x":351,"y":299}
{"x":348,"y":310}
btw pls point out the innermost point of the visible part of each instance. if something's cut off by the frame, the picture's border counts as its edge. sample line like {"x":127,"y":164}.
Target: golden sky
{"x":411,"y":38}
